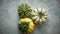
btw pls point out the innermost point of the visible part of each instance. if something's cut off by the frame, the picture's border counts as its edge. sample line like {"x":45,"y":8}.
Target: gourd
{"x":24,"y":10}
{"x":39,"y":15}
{"x":26,"y":25}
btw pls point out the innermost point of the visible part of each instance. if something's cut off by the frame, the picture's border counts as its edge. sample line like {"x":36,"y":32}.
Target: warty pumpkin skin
{"x":24,"y":10}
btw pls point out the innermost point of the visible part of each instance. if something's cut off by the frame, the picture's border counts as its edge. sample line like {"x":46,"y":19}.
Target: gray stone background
{"x":9,"y":16}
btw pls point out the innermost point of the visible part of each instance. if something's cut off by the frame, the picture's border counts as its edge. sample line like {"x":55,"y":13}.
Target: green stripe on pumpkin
{"x":24,"y":26}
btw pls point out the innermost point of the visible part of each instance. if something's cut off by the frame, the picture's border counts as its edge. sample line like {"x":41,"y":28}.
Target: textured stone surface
{"x":9,"y":16}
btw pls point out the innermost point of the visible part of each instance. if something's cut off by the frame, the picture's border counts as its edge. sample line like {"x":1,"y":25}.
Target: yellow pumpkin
{"x":27,"y":26}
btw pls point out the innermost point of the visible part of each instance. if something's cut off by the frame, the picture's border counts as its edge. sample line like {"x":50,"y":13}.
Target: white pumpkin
{"x":39,"y":15}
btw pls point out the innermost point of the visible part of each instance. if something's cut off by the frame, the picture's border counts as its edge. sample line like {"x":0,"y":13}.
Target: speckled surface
{"x":9,"y":16}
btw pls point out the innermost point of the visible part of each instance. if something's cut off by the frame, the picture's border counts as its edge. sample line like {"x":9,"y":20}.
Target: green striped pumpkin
{"x":39,"y":15}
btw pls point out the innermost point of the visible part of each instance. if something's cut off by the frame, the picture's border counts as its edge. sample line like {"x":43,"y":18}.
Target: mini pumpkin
{"x":24,"y":10}
{"x":26,"y":25}
{"x":39,"y":15}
